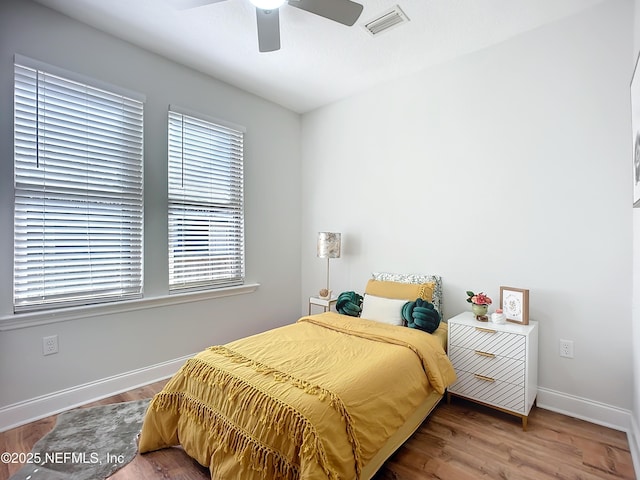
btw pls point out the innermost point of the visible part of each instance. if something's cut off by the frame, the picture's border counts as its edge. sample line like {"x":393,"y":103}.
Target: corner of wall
{"x":632,"y":437}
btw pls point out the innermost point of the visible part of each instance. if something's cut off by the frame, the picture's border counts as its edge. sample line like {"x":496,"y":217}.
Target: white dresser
{"x":496,"y":365}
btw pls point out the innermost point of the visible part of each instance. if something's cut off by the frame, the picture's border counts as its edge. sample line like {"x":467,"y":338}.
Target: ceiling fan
{"x":345,"y":12}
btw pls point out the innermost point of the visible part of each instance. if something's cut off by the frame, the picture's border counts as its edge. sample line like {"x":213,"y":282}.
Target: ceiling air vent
{"x":387,"y":20}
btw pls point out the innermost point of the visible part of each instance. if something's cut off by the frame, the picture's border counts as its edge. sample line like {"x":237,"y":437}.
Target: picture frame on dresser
{"x":635,"y":131}
{"x":514,"y":303}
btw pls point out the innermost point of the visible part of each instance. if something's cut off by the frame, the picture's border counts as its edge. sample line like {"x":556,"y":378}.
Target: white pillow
{"x":385,"y":310}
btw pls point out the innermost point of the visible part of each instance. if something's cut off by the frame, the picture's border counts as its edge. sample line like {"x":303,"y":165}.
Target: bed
{"x":331,"y":396}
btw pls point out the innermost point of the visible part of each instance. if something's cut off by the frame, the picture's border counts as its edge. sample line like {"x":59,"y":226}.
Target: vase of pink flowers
{"x":479,"y":305}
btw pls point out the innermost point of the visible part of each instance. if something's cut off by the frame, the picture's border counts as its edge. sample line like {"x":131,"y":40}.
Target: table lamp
{"x":328,"y":247}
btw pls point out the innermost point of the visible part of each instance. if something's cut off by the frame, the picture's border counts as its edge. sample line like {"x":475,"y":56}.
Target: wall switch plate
{"x":566,"y":348}
{"x":50,"y":345}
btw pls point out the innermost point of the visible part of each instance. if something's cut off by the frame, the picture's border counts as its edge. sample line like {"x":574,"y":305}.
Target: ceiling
{"x":320,"y":61}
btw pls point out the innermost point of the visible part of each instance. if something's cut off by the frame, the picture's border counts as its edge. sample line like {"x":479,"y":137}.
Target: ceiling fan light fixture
{"x":268,"y":4}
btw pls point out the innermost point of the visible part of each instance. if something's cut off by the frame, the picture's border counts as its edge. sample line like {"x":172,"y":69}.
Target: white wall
{"x":510,"y":166}
{"x":635,"y":437}
{"x":98,"y":347}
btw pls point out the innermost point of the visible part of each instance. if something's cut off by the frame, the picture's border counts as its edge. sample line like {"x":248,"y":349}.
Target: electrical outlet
{"x":50,"y":345}
{"x":566,"y":348}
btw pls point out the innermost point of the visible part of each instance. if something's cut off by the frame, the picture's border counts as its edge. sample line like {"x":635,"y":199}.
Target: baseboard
{"x":633,"y":435}
{"x":585,"y":409}
{"x":33,"y":409}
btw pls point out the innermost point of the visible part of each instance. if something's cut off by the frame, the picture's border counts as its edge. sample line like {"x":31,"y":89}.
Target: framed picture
{"x":515,"y":304}
{"x":635,"y":129}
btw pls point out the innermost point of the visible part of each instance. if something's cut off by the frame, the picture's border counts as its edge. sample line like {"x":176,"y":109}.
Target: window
{"x":78,"y":191}
{"x":206,"y":211}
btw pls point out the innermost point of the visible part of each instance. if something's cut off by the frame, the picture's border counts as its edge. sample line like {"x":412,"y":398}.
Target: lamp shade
{"x":328,"y":245}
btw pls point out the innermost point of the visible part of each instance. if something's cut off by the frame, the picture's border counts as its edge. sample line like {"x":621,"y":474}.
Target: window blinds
{"x":78,"y":193}
{"x":206,"y":211}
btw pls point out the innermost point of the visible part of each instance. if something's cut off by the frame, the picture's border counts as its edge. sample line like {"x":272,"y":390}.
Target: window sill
{"x":24,"y":320}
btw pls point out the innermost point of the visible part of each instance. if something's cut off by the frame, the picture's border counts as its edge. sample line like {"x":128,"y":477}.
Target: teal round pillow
{"x":422,"y":315}
{"x":349,"y":303}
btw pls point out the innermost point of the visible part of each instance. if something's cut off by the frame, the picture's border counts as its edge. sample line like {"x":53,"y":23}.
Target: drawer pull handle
{"x":482,"y":377}
{"x":485,"y":330}
{"x":485,"y":354}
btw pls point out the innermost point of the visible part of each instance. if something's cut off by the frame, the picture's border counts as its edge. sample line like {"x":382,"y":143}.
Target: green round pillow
{"x":349,"y":303}
{"x":422,"y":315}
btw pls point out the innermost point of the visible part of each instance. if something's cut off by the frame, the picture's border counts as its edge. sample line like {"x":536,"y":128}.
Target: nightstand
{"x":325,"y":303}
{"x":496,"y":365}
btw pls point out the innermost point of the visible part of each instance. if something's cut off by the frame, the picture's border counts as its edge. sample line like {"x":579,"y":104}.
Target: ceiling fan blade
{"x":268,"y":29}
{"x":345,"y":12}
{"x":187,"y":4}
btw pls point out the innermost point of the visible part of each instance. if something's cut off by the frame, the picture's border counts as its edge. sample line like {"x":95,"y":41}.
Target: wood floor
{"x":460,"y":441}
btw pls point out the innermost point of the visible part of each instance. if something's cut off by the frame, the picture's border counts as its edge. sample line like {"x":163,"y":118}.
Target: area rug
{"x":86,"y":443}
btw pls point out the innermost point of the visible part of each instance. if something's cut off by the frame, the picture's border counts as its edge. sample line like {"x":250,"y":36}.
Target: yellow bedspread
{"x":312,"y":400}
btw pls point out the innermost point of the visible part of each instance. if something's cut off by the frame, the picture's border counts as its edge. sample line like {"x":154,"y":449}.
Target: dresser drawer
{"x":497,"y":393}
{"x":504,"y":344}
{"x":488,"y":365}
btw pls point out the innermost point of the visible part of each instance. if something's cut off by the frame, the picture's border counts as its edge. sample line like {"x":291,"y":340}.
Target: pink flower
{"x":481,"y":299}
